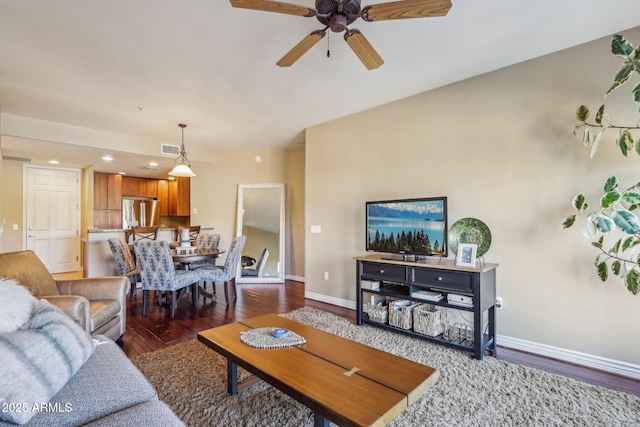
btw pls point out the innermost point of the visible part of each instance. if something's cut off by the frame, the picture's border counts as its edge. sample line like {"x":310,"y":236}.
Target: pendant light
{"x":184,"y":168}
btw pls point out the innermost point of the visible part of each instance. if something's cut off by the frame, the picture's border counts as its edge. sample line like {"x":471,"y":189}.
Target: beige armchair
{"x":97,"y":304}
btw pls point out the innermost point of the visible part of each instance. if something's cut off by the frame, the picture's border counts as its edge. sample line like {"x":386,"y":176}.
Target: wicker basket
{"x":427,"y":320}
{"x":378,"y":313}
{"x":401,"y":316}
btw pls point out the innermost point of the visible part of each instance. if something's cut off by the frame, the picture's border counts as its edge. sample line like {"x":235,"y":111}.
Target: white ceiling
{"x":140,"y":67}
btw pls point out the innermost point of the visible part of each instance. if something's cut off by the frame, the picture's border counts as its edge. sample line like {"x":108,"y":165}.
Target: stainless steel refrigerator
{"x":140,"y":212}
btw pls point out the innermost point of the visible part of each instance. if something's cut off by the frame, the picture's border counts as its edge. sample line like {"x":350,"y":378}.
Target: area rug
{"x":191,"y":379}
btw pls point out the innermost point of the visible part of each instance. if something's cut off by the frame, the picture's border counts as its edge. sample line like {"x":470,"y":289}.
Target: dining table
{"x":198,"y":254}
{"x":186,"y":259}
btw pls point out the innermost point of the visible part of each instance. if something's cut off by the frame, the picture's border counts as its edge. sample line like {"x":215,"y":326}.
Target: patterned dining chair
{"x":158,"y":272}
{"x":124,"y":262}
{"x":259,"y":267}
{"x":209,"y":242}
{"x":228,"y":272}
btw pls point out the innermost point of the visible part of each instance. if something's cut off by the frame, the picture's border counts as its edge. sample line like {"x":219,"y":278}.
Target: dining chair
{"x":158,"y":272}
{"x":259,"y":267}
{"x":125,"y":263}
{"x":228,"y":272}
{"x":144,"y":233}
{"x":194,"y":231}
{"x":208,"y":242}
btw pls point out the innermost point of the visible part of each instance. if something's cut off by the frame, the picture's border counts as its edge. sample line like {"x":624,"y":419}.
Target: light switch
{"x":316,"y":229}
{"x":15,"y":227}
{"x":195,"y":211}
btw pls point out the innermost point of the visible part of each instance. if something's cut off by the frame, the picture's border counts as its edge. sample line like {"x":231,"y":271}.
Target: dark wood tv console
{"x":398,"y":279}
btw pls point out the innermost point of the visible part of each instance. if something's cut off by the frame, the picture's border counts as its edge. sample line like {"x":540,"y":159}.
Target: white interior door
{"x":52,"y":223}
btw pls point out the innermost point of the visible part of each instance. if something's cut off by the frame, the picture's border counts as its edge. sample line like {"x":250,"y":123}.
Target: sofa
{"x":97,"y":304}
{"x":53,"y":373}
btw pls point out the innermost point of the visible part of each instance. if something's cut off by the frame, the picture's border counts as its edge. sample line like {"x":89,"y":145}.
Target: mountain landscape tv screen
{"x":408,"y":226}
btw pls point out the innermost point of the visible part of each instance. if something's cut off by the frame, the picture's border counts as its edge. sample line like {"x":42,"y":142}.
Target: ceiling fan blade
{"x":274,"y":6}
{"x":301,"y":48}
{"x":361,"y":46}
{"x":406,"y":9}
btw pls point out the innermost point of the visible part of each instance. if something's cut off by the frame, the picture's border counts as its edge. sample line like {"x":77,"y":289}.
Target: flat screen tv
{"x":408,"y":226}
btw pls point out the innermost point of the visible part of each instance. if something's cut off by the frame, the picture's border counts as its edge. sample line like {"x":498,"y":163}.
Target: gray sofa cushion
{"x":149,"y":414}
{"x":108,"y":382}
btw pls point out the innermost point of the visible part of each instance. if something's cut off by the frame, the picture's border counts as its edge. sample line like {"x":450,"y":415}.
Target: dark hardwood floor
{"x":157,"y":330}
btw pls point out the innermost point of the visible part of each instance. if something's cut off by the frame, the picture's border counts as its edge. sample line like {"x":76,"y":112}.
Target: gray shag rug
{"x":191,"y":379}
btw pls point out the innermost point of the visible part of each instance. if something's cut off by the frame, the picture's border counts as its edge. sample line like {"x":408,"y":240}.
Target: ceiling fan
{"x":338,"y":14}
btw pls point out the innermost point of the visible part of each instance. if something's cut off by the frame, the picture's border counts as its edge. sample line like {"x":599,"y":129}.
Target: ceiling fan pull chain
{"x":328,"y":46}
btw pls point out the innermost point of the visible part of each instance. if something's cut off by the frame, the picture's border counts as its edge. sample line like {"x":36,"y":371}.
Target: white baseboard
{"x":330,"y":300}
{"x":294,"y":278}
{"x":616,"y":367}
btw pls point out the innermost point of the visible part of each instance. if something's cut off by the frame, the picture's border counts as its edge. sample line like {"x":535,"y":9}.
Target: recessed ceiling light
{"x":122,"y":173}
{"x":54,"y":162}
{"x":153,"y":164}
{"x":107,"y":158}
{"x":172,"y":178}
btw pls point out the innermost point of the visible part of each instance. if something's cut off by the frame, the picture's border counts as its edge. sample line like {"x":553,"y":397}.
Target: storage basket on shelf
{"x":428,"y":320}
{"x":378,"y":313}
{"x":373,"y":300}
{"x":400,"y":313}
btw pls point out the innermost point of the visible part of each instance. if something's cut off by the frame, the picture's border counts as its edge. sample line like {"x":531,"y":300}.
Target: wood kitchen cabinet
{"x":180,"y":196}
{"x":107,"y":191}
{"x":139,"y":187}
{"x":107,"y":219}
{"x":107,"y":200}
{"x":163,"y":196}
{"x":175,"y":197}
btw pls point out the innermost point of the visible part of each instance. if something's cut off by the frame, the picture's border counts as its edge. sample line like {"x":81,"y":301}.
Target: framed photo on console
{"x":466,"y":255}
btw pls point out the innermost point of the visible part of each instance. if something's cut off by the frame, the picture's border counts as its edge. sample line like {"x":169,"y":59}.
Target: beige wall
{"x":500,"y":147}
{"x":86,"y":199}
{"x":11,"y":200}
{"x":214,"y":191}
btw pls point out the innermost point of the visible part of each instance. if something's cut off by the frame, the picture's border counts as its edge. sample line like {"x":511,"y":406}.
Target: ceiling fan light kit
{"x":337,"y":15}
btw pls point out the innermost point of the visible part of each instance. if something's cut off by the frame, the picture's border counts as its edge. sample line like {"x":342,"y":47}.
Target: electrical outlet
{"x":315,"y":229}
{"x":326,"y":275}
{"x":195,"y":211}
{"x":16,"y":227}
{"x":499,"y":302}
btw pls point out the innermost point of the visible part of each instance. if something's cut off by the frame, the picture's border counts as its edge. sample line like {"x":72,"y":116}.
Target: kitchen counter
{"x":97,"y":256}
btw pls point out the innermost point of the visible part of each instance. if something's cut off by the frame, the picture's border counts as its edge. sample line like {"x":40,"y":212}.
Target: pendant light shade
{"x":184,"y":167}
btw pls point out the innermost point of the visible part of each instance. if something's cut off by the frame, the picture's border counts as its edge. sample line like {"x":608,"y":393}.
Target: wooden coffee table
{"x":342,"y":381}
